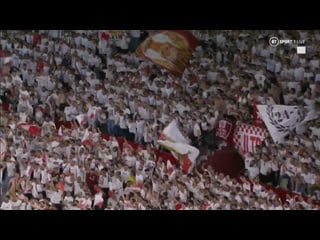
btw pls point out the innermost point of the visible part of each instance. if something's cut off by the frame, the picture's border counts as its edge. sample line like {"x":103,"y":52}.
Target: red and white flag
{"x":82,"y":119}
{"x":247,"y":137}
{"x":186,"y":153}
{"x":179,"y":147}
{"x":169,"y":167}
{"x":33,"y":129}
{"x":86,"y":139}
{"x":91,"y":113}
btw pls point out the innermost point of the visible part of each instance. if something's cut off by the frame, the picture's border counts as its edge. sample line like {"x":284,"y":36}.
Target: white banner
{"x":247,"y":137}
{"x":281,"y":119}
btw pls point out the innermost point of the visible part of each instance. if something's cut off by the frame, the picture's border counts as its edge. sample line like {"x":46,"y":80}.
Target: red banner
{"x":169,"y":49}
{"x":247,"y":137}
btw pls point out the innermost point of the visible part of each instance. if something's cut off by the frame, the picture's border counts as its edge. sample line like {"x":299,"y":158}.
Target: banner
{"x":247,"y":137}
{"x":225,"y":130}
{"x":3,"y":149}
{"x":281,"y":119}
{"x":169,"y":49}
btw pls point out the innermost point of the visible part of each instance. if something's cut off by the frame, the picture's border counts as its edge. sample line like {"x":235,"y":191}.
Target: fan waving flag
{"x":169,"y":49}
{"x":172,"y":139}
{"x":33,"y":129}
{"x":172,"y":133}
{"x":186,"y":153}
{"x":86,"y":139}
{"x":82,"y":119}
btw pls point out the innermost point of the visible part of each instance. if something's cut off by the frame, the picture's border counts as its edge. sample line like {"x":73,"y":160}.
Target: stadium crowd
{"x":53,"y":77}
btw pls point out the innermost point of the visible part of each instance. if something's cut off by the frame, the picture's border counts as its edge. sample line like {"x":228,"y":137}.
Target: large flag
{"x":281,"y":119}
{"x":172,"y":139}
{"x":169,"y":49}
{"x":186,"y":153}
{"x":33,"y":129}
{"x":172,"y":133}
{"x":3,"y":148}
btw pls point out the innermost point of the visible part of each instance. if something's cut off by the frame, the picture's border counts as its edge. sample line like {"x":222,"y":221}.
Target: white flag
{"x":281,"y":119}
{"x":172,"y":133}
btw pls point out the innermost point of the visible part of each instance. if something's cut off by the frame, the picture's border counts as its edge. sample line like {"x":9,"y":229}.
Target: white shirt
{"x":55,"y":197}
{"x":122,"y":122}
{"x":298,"y":73}
{"x":132,"y":126}
{"x":6,"y":206}
{"x":265,"y":167}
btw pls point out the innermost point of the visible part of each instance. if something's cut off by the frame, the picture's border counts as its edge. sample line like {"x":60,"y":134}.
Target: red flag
{"x":169,"y":49}
{"x":105,"y":36}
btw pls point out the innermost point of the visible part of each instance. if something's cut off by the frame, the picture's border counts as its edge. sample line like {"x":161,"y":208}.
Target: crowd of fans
{"x":55,"y":76}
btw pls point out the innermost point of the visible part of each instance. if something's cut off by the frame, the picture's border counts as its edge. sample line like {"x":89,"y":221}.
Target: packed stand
{"x":55,"y":76}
